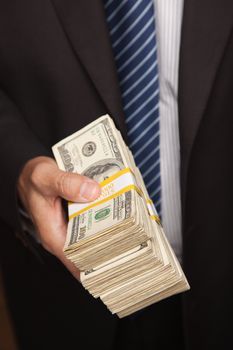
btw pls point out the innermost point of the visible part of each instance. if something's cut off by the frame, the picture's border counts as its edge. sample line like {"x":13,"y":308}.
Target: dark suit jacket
{"x":57,"y":74}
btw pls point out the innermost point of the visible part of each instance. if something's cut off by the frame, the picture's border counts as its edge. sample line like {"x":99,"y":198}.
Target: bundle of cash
{"x":116,"y":241}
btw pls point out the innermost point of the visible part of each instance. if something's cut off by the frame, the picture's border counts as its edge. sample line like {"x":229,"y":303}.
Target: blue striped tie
{"x":131,"y":25}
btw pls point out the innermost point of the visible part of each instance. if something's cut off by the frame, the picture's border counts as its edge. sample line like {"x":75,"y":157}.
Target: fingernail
{"x":89,"y":191}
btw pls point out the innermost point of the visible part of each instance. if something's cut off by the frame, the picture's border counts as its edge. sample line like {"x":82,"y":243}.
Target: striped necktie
{"x":131,"y":26}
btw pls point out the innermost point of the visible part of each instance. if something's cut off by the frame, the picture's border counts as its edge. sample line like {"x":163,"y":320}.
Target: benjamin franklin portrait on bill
{"x":102,"y":170}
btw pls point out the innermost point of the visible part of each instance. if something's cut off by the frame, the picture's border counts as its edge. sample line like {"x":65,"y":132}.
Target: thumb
{"x":75,"y":187}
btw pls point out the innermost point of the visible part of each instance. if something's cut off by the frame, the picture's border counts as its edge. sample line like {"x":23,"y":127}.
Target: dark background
{"x":7,"y":339}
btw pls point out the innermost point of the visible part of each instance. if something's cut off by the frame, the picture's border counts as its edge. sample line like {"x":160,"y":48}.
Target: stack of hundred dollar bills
{"x":117,"y":241}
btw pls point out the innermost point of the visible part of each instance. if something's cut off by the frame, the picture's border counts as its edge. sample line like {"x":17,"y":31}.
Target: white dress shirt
{"x":168,"y":23}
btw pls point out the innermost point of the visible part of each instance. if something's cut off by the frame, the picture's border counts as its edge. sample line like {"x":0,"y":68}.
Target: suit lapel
{"x":84,"y":24}
{"x":205,"y":31}
{"x":206,"y":28}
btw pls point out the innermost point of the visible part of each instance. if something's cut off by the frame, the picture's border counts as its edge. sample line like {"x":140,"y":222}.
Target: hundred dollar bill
{"x":96,"y":151}
{"x":93,"y":151}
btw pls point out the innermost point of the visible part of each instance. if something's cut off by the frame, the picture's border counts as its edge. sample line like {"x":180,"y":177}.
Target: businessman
{"x":58,"y":72}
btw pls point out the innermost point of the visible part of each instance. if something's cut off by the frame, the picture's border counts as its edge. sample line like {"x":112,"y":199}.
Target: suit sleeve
{"x":18,"y":144}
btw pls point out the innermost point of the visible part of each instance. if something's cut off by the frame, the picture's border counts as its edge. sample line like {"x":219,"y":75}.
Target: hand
{"x":41,"y":187}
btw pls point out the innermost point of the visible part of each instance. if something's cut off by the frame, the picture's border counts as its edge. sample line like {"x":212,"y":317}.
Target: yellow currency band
{"x":155,"y":218}
{"x":149,"y":201}
{"x":115,"y":176}
{"x":118,"y":193}
{"x":125,"y":189}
